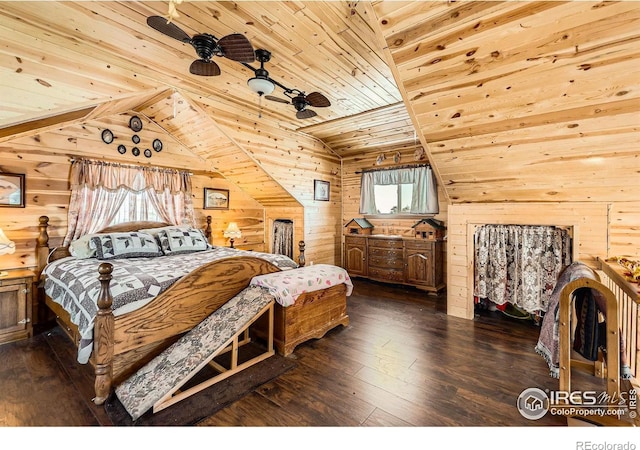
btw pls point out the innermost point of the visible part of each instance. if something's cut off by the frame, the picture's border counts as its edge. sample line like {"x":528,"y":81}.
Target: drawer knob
{"x":23,"y":321}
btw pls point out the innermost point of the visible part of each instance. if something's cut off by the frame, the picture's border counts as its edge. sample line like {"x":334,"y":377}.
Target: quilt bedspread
{"x":74,"y":284}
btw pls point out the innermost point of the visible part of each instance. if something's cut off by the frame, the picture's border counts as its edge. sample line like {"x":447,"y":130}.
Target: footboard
{"x":125,"y":343}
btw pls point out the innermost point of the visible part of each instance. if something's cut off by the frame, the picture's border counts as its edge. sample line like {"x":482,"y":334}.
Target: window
{"x":407,"y":190}
{"x":388,"y":197}
{"x":105,"y":194}
{"x":136,"y":207}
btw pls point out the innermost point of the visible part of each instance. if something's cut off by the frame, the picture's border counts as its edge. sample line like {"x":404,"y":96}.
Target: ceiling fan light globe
{"x":261,"y":86}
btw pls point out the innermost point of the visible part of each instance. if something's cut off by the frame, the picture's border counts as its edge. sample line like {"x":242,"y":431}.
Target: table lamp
{"x":232,"y":232}
{"x":6,"y":247}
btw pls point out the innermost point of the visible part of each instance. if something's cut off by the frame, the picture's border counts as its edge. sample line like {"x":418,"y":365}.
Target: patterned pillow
{"x":175,"y":241}
{"x":125,"y":245}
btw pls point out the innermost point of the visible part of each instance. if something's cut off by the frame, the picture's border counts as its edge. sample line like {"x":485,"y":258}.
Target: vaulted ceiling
{"x":514,"y":101}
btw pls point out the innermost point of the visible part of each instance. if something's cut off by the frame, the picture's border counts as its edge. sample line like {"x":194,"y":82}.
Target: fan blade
{"x":306,"y":114}
{"x":316,"y":99}
{"x":276,"y":99}
{"x":160,"y":24}
{"x":204,"y":68}
{"x":237,"y":48}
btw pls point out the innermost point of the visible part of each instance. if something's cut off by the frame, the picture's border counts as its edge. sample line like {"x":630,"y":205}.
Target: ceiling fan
{"x":262,"y":84}
{"x":233,"y":46}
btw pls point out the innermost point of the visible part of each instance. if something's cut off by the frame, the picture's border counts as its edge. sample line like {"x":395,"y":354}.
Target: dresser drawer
{"x":385,"y":252}
{"x":355,"y":240}
{"x":418,"y":245}
{"x":386,"y":274}
{"x":386,"y":263}
{"x":385,"y":243}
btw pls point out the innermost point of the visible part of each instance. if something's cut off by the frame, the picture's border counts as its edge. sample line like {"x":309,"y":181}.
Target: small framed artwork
{"x":12,"y":190}
{"x":216,"y":198}
{"x":321,"y":190}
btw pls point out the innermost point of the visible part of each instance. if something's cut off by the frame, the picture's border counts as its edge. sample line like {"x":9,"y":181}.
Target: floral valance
{"x":113,"y":176}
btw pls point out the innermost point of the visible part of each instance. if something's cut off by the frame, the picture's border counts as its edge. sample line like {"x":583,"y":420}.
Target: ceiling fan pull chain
{"x":259,"y":106}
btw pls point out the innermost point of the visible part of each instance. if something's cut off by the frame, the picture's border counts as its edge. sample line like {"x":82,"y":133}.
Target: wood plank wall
{"x":45,"y":159}
{"x":294,"y":160}
{"x":599,"y":230}
{"x":351,"y":191}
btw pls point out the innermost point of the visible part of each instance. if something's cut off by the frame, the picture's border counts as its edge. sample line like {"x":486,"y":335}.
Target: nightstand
{"x":15,"y":305}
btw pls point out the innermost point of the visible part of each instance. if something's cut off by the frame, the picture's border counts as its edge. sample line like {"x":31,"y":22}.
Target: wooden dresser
{"x":395,"y":259}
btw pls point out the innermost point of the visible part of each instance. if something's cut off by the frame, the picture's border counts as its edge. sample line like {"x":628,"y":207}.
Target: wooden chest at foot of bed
{"x":312,"y":315}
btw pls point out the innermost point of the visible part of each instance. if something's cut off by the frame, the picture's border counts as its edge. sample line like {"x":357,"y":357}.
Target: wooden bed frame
{"x":125,"y":343}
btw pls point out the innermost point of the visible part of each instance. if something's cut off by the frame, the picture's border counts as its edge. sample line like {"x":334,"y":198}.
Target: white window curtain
{"x":99,"y":191}
{"x":424,"y":196}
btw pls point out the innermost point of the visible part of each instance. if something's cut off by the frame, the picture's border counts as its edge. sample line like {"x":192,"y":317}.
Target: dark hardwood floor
{"x":401,"y":362}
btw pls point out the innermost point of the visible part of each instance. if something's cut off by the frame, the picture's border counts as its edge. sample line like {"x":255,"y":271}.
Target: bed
{"x":124,"y":339}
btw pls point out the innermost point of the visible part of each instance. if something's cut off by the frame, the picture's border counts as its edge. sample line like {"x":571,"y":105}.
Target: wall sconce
{"x":6,"y":248}
{"x":232,"y":232}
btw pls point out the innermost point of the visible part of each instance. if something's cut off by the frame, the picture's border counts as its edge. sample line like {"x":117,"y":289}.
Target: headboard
{"x":44,"y":254}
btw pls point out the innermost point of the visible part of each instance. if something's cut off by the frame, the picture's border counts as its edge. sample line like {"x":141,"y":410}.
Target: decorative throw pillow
{"x":175,"y":241}
{"x":125,"y":245}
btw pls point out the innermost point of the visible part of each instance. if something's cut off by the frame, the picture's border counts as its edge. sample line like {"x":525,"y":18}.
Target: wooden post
{"x":301,"y":260}
{"x":207,"y":230}
{"x":103,"y":337}
{"x":42,"y":244}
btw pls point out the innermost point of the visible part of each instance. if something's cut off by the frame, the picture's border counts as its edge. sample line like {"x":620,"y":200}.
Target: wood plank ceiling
{"x":534,"y":89}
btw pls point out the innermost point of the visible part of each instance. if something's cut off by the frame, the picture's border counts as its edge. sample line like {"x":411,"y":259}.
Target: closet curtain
{"x":283,"y":237}
{"x":100,"y":189}
{"x":424,"y":198}
{"x":519,"y":264}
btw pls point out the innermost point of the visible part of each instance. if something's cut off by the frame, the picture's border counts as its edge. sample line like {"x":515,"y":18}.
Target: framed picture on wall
{"x":216,"y":198}
{"x":321,"y":190}
{"x":12,"y":190}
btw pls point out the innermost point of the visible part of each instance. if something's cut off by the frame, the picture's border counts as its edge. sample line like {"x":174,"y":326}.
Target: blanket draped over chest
{"x":589,"y":303}
{"x":74,"y":284}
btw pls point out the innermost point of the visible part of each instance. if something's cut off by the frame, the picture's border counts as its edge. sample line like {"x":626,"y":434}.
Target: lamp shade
{"x":261,"y":86}
{"x":232,"y":231}
{"x":6,"y":246}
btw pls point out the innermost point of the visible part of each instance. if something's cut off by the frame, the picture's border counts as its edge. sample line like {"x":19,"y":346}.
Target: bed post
{"x":207,"y":230}
{"x":103,"y":337}
{"x":301,"y":260}
{"x":42,"y":244}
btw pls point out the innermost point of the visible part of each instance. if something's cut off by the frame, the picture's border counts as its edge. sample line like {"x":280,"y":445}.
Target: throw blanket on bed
{"x":548,"y":345}
{"x":287,"y":286}
{"x":74,"y":284}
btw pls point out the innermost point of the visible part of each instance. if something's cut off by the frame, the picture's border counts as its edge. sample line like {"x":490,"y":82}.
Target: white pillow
{"x":80,"y":247}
